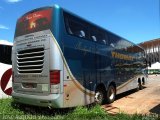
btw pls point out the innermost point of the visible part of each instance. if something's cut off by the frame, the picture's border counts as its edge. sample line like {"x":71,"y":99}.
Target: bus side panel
{"x":104,"y":67}
{"x":82,"y":67}
{"x":128,"y":66}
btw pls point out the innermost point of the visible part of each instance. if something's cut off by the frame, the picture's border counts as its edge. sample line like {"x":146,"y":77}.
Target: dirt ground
{"x":145,"y":101}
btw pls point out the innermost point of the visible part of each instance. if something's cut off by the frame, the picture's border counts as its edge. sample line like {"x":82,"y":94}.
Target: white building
{"x":154,"y":69}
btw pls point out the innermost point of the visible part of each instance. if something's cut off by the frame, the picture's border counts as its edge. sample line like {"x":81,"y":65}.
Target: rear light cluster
{"x":55,"y":81}
{"x":54,"y":77}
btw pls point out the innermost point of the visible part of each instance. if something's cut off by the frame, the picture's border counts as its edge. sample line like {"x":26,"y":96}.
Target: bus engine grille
{"x":30,"y":60}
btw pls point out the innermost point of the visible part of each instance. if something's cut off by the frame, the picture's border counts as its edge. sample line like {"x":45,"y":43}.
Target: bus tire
{"x":140,"y":87}
{"x":111,"y":94}
{"x":143,"y":81}
{"x":100,"y":96}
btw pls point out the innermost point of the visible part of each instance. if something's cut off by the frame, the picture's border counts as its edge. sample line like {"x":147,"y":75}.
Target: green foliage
{"x":95,"y":112}
{"x":12,"y":110}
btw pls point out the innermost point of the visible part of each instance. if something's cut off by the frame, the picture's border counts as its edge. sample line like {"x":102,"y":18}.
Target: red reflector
{"x":55,"y":77}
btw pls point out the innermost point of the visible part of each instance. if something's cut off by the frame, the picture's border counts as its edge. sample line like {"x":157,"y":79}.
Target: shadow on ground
{"x":156,"y":109}
{"x":114,"y":110}
{"x":127,"y":93}
{"x":34,"y":110}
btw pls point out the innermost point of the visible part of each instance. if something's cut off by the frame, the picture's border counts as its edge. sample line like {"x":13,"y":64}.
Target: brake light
{"x":54,"y":77}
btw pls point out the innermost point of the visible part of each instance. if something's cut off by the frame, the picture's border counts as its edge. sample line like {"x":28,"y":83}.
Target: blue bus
{"x":62,"y":60}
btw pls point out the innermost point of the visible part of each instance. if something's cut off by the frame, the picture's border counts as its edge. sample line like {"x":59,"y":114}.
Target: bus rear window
{"x":33,"y":22}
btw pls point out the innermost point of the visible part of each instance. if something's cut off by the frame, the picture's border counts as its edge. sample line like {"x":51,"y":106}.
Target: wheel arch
{"x":100,"y":86}
{"x":114,"y":84}
{"x":105,"y":86}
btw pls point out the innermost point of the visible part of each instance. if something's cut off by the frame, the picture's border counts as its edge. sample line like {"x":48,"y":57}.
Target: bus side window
{"x":75,"y":26}
{"x":104,"y":41}
{"x":80,"y":33}
{"x":69,"y":30}
{"x":94,"y":38}
{"x":78,"y":30}
{"x":113,"y":41}
{"x":98,"y":36}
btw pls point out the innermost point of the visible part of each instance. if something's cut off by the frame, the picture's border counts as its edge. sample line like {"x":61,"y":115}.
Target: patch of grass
{"x":12,"y":110}
{"x":95,"y":112}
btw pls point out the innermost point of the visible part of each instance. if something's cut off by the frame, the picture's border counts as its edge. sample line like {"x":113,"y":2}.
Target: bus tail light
{"x":54,"y":81}
{"x":54,"y":77}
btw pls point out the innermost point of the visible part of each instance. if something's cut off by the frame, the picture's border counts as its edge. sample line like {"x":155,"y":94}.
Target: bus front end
{"x":37,"y":76}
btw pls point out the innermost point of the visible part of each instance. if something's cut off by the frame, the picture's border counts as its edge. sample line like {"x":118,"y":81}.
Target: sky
{"x":135,"y":20}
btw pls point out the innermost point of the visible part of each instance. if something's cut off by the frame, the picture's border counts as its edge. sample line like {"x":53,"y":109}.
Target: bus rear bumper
{"x":51,"y":101}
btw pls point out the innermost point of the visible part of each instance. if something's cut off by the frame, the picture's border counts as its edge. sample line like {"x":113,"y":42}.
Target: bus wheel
{"x":140,"y":87}
{"x":99,"y":96}
{"x":111,"y":94}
